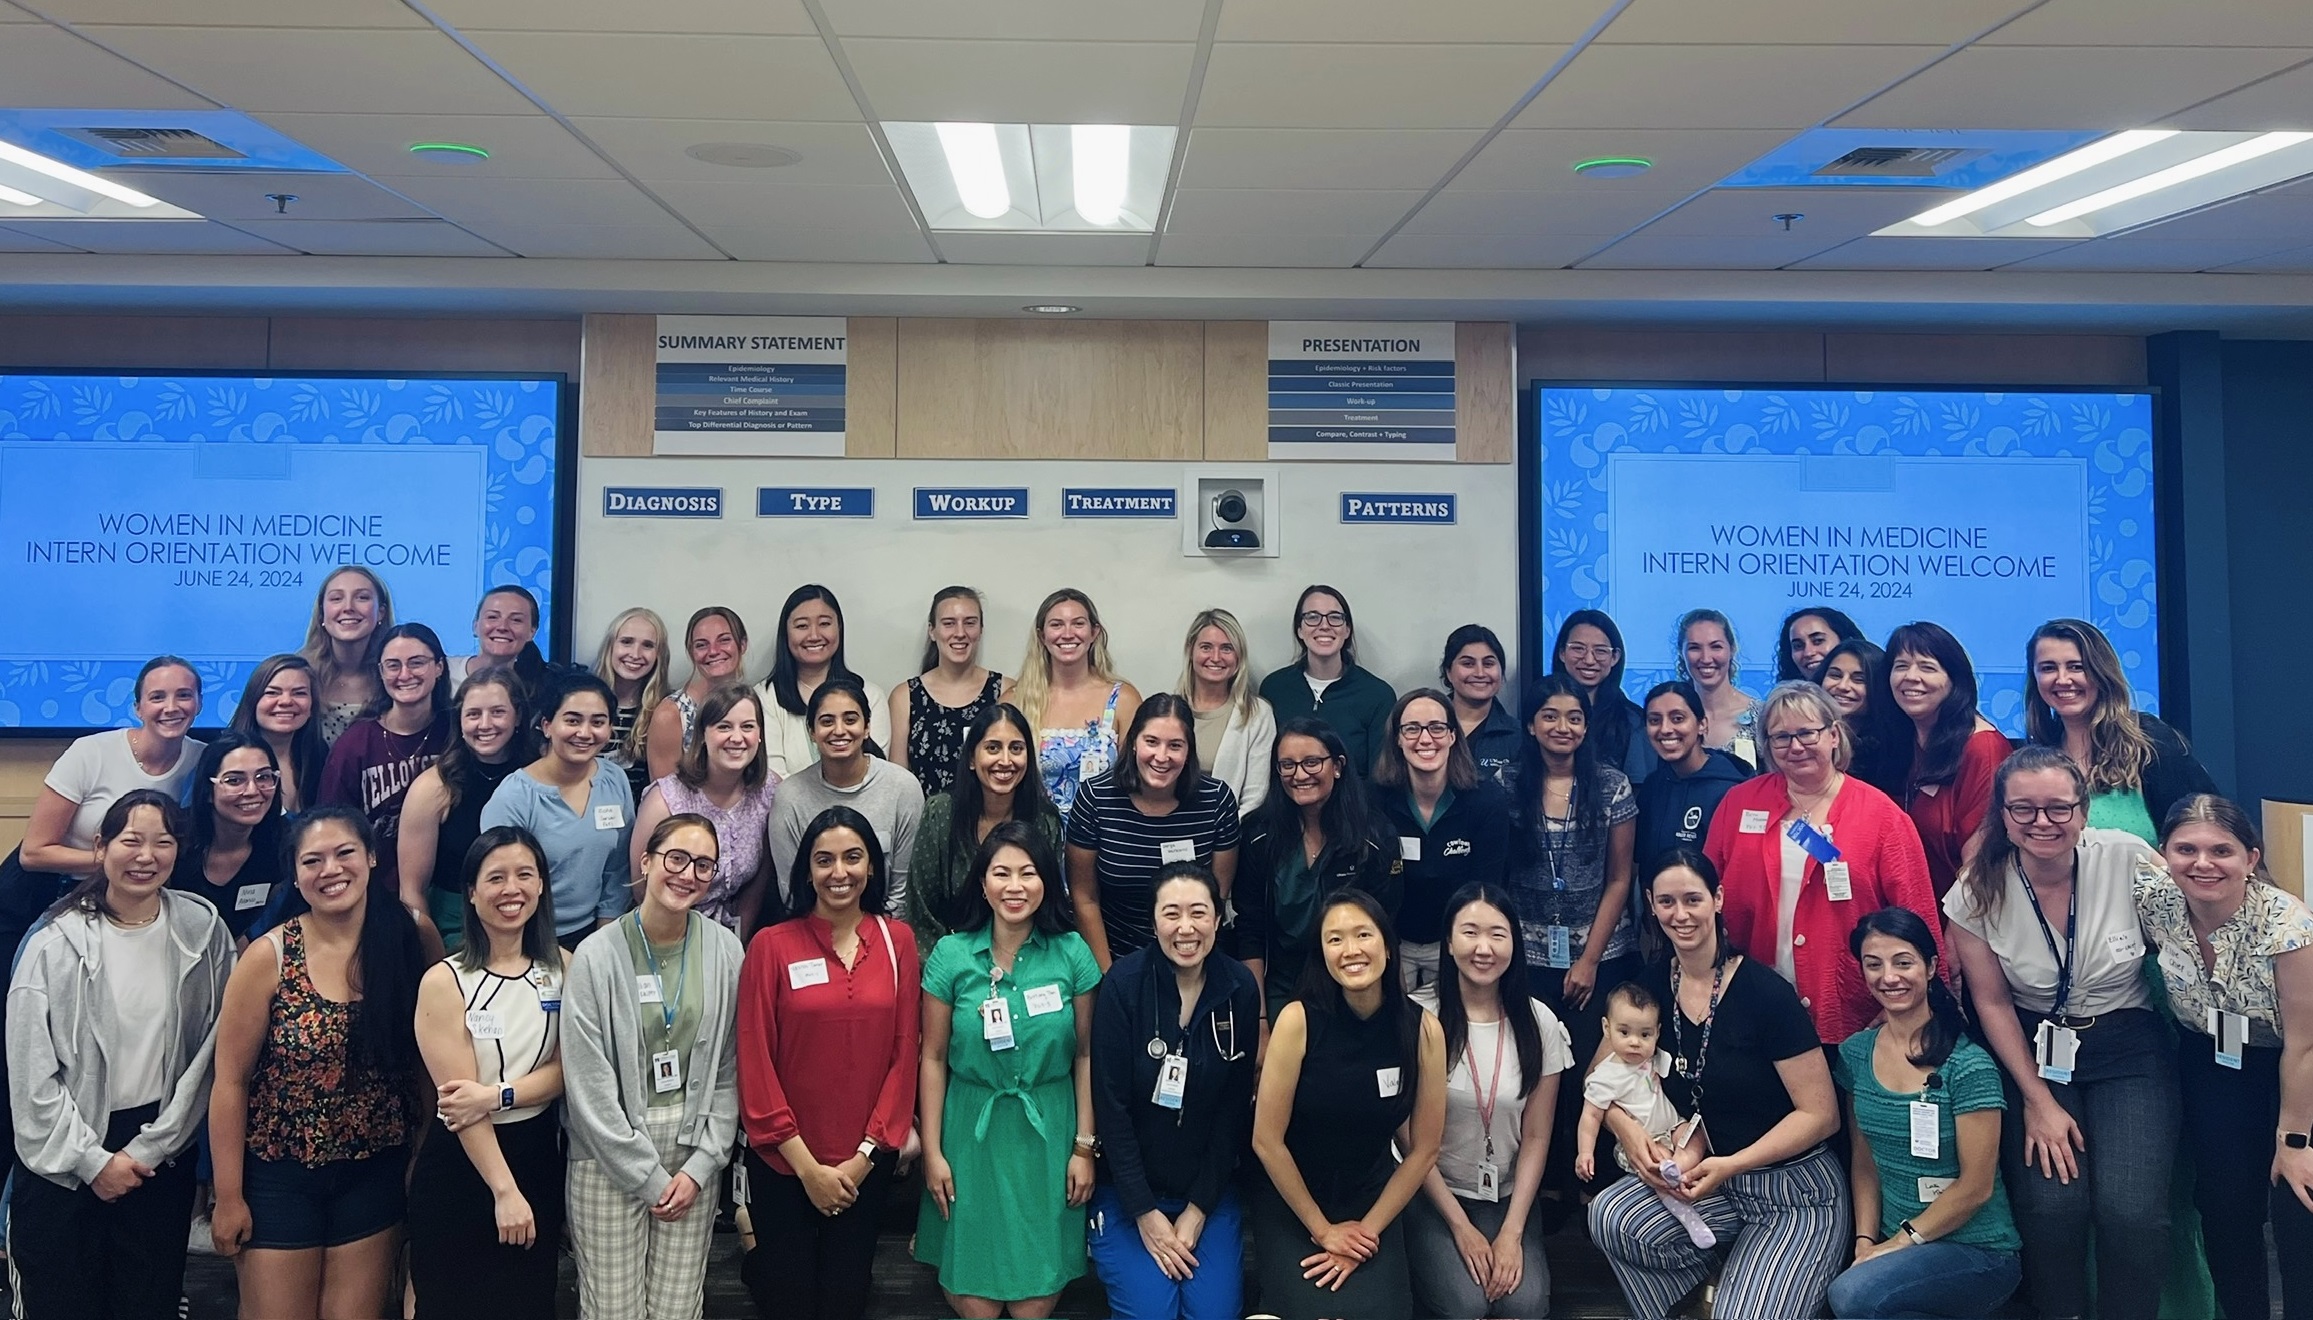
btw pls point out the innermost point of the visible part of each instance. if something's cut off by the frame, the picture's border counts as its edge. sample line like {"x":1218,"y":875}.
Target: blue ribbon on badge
{"x":1814,"y":841}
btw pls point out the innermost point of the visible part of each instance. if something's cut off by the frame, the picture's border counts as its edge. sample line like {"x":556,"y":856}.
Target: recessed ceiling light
{"x":978,"y":166}
{"x":1035,"y":178}
{"x":743,"y":155}
{"x":17,"y":196}
{"x":2123,"y":181}
{"x":1613,"y":167}
{"x":2063,"y":167}
{"x":1051,"y":309}
{"x":450,"y":150}
{"x":56,"y":169}
{"x":2223,"y":158}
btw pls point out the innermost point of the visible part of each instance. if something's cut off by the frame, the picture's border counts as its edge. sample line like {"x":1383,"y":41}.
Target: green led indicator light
{"x":1613,"y":167}
{"x":450,"y":149}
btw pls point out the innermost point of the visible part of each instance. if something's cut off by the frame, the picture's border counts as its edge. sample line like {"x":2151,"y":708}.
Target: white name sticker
{"x":484,"y":1024}
{"x":1045,"y":999}
{"x":608,"y":816}
{"x":251,"y":896}
{"x":808,"y":971}
{"x":2126,"y":945}
{"x":1177,"y":850}
{"x":1754,"y":822}
{"x":646,"y":988}
{"x":1931,"y":1188}
{"x":1386,"y":1080}
{"x":1409,"y":847}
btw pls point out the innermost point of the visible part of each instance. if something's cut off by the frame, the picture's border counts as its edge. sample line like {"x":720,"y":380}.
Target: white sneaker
{"x":198,"y":1241}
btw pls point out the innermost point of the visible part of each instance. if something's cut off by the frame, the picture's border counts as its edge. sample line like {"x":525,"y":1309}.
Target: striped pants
{"x":631,"y":1266}
{"x":1787,"y":1226}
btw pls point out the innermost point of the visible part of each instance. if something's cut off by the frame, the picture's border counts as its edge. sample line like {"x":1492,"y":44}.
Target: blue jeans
{"x":1939,"y":1279}
{"x":1138,"y":1290}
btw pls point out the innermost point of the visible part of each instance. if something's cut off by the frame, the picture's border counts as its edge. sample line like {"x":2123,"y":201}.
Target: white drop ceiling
{"x":1364,"y":156}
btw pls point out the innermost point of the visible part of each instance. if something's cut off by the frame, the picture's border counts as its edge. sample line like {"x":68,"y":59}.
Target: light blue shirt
{"x":586,"y":851}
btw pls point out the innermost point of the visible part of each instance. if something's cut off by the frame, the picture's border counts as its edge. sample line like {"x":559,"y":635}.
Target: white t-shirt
{"x":97,"y":770}
{"x":1318,"y":685}
{"x":2108,"y":948}
{"x":136,"y":975}
{"x":1787,"y":886}
{"x":1464,"y":1145}
{"x":1638,"y":1090}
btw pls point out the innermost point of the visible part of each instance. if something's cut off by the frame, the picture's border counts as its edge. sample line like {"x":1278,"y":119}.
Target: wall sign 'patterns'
{"x":1987,"y":512}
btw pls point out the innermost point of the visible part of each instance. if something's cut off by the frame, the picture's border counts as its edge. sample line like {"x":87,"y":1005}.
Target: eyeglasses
{"x":415,"y":664}
{"x":679,"y":861}
{"x":2058,"y":813}
{"x":236,"y":780}
{"x":1577,"y":651}
{"x":1327,"y":618}
{"x":1433,"y":730}
{"x":1307,"y":765}
{"x":1802,"y":737}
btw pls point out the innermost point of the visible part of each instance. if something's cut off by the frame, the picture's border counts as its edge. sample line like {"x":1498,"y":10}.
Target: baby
{"x":1630,"y":1076}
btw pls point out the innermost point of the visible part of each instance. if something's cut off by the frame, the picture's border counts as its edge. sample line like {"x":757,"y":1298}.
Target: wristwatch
{"x":2296,"y":1140}
{"x":866,"y":1148}
{"x":1908,"y":1231}
{"x":506,"y":1097}
{"x":1088,"y":1146}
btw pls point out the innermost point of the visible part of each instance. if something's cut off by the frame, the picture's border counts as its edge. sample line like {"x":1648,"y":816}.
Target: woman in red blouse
{"x":1805,"y":852}
{"x":829,"y":1024}
{"x":1930,"y":749}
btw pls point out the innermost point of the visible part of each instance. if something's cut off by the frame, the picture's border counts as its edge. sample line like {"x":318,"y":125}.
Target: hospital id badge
{"x":667,"y":1071}
{"x":1489,"y":1181}
{"x":1172,"y":1081}
{"x":2230,"y":1031}
{"x":2055,"y":1049}
{"x":1927,"y":1141}
{"x":1558,"y":950}
{"x":1838,"y":885}
{"x":996,"y":1024}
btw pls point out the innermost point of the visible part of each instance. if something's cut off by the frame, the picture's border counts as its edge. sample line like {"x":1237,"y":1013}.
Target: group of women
{"x":1075,"y":952}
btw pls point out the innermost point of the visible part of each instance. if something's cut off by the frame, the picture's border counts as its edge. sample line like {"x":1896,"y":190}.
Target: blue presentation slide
{"x":199,"y":515}
{"x":1989,"y":513}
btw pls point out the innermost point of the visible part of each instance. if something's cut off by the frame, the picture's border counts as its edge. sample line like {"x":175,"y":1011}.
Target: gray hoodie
{"x":62,"y":1028}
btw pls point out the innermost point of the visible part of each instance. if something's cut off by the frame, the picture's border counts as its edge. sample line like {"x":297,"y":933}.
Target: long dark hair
{"x":307,"y":752}
{"x":521,"y":745}
{"x":1322,"y":997}
{"x":875,"y":900}
{"x":1389,"y":765}
{"x":88,"y":893}
{"x":1692,"y":859}
{"x":1054,"y":916}
{"x":1460,"y":640}
{"x":1842,"y":627}
{"x":1160,"y":706}
{"x":389,"y":959}
{"x":1945,"y":1024}
{"x":1610,"y":708}
{"x":1893,"y":767}
{"x":1031,"y":805}
{"x":1348,"y":817}
{"x":1862,"y":736}
{"x":783,"y":669}
{"x":423,"y":636}
{"x":538,"y":932}
{"x":201,"y":827}
{"x":854,"y":689}
{"x":1517,"y":1013}
{"x":1589,"y":783}
{"x":1348,"y":625}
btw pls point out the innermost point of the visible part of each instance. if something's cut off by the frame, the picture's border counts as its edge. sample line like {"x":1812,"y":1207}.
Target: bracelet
{"x":1087,"y":1145}
{"x":1866,"y":1237}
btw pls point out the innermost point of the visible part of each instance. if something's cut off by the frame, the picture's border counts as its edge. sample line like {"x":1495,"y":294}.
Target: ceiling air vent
{"x":155,"y":143}
{"x":1896,"y":162}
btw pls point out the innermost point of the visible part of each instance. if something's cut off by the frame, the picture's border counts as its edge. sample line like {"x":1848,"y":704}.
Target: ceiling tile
{"x":373,"y":238}
{"x":1680,"y":87}
{"x":696,"y":77}
{"x":2279,"y":219}
{"x":763,"y":205}
{"x":1809,"y":22}
{"x":164,"y":236}
{"x":1026,"y":20}
{"x":1247,"y":250}
{"x":528,"y":146}
{"x":2160,"y":23}
{"x":652,"y":150}
{"x":241,"y":194}
{"x":720,"y":17}
{"x":1470,"y":211}
{"x":1322,"y":158}
{"x":2065,"y":86}
{"x":1684,"y":159}
{"x":2281,"y":102}
{"x":1487,"y":251}
{"x":1331,"y":212}
{"x":238,"y":13}
{"x":1831,"y":214}
{"x":2295,"y":261}
{"x":1682,"y":252}
{"x":1868,"y":253}
{"x":1024,"y":82}
{"x":1344,"y":86}
{"x":397,"y":71}
{"x":789,"y":243}
{"x":1045,"y":249}
{"x":2155,"y":255}
{"x":520,"y":201}
{"x":661,"y":242}
{"x":50,"y":67}
{"x":1397,"y":23}
{"x":14,"y":241}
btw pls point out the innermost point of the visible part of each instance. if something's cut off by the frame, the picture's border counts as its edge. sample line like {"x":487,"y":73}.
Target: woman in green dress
{"x":1006,"y":1088}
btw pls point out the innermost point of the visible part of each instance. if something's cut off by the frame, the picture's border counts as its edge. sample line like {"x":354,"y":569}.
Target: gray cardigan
{"x":606,"y":1095}
{"x":62,"y":1027}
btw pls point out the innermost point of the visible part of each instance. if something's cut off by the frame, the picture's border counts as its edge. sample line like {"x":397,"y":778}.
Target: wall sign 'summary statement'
{"x":755,"y":385}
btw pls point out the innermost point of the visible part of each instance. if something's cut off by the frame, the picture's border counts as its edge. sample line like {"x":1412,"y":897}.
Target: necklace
{"x":133,"y":925}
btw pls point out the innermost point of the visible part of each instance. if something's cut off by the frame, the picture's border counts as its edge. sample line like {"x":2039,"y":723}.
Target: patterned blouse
{"x":2271,"y":921}
{"x":308,"y":1100}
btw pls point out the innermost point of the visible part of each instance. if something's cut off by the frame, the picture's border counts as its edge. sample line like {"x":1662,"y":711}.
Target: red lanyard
{"x":1493,"y":1089}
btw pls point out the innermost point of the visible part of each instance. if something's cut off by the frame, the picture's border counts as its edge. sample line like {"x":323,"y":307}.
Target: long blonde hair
{"x":2118,"y":750}
{"x":1242,"y":691}
{"x":322,"y":655}
{"x":654,"y":688}
{"x":1033,"y":688}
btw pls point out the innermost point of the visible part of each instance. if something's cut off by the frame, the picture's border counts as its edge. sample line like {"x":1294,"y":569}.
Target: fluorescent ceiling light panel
{"x":1100,"y":158}
{"x":18,"y":197}
{"x":2239,"y":153}
{"x":2039,"y":176}
{"x":1035,"y":178}
{"x":56,"y":169}
{"x":976,"y":163}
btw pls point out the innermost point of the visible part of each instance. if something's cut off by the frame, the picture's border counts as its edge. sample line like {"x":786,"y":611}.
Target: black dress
{"x":936,"y":732}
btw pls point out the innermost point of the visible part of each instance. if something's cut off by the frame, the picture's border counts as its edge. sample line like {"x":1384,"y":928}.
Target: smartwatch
{"x":1908,"y":1231}
{"x":867,"y":1148}
{"x":2296,"y":1140}
{"x":506,"y":1097}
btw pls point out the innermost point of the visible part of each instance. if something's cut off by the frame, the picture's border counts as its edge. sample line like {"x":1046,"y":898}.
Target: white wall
{"x":1409,"y":585}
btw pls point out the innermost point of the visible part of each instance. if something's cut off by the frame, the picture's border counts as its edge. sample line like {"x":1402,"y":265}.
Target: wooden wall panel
{"x":1485,"y":392}
{"x":1576,"y":353}
{"x":221,"y":342}
{"x":2115,"y":360}
{"x":1034,"y":389}
{"x":24,"y":763}
{"x":618,"y":384}
{"x":1236,"y":391}
{"x":373,"y":343}
{"x":871,"y":388}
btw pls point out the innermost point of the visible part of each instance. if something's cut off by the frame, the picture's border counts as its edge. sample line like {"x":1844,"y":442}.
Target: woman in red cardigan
{"x":1805,"y":853}
{"x":830,"y":1020}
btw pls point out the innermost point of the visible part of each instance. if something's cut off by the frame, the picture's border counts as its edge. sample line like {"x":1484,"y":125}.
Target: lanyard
{"x":1493,"y":1089}
{"x":1556,"y":844}
{"x":1694,"y":1075}
{"x":2064,"y":960}
{"x":669,"y":1007}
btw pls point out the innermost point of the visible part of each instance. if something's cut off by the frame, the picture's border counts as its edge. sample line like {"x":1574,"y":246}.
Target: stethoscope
{"x":1224,"y":1032}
